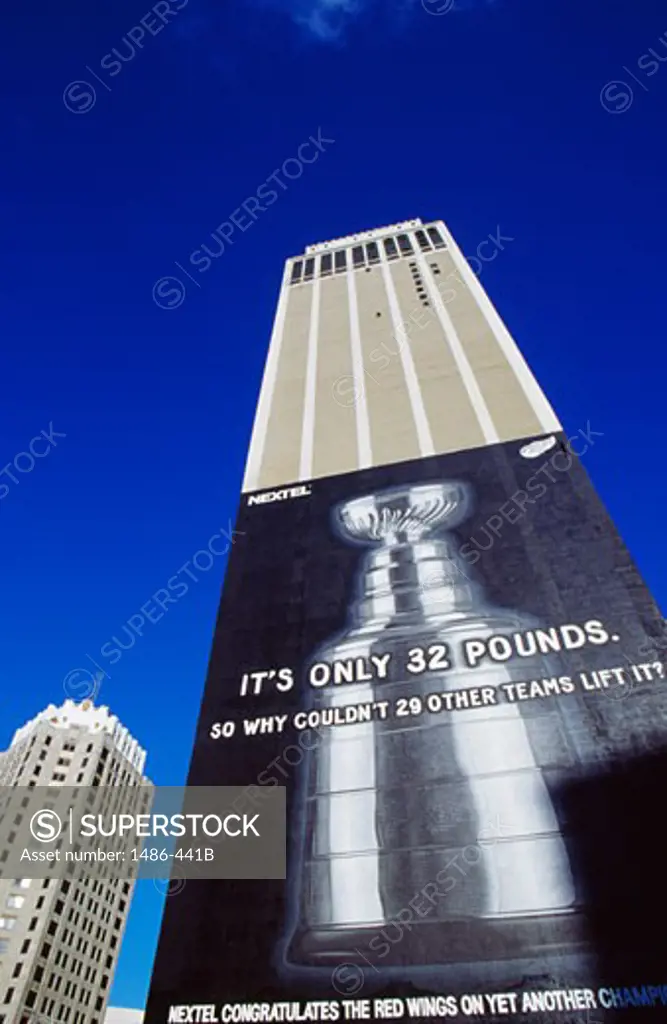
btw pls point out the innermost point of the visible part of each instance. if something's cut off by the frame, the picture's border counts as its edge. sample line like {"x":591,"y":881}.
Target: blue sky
{"x":542,"y":118}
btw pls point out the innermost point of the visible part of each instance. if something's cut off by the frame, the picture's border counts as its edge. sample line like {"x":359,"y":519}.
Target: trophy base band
{"x":438,"y":943}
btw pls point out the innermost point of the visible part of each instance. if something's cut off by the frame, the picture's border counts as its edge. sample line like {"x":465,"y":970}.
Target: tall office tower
{"x":432,"y":635}
{"x":60,"y":939}
{"x":386,"y":348}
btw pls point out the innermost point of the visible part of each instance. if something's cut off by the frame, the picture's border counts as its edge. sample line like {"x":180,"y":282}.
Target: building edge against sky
{"x":371,"y":332}
{"x":120,"y":1015}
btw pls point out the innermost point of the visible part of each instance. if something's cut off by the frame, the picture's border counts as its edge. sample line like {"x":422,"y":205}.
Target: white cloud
{"x":327,"y":20}
{"x":324,"y":19}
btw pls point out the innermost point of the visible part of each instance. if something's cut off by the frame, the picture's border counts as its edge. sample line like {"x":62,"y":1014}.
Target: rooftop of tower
{"x":88,"y":717}
{"x":363,"y":236}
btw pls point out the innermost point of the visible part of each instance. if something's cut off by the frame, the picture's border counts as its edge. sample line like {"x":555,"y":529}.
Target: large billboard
{"x":455,"y":670}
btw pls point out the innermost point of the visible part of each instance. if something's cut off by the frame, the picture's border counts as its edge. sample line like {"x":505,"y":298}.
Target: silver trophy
{"x":450,"y":812}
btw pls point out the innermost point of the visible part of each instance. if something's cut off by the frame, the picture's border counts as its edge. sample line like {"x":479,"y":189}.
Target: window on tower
{"x":390,"y":249}
{"x":424,"y":243}
{"x":436,"y":238}
{"x":372,"y":252}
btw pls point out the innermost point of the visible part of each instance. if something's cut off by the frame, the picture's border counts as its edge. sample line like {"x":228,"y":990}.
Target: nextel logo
{"x":283,"y":495}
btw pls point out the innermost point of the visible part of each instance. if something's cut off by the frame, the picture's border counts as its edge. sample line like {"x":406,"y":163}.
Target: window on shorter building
{"x":436,"y":238}
{"x":326,"y":264}
{"x":297,"y":267}
{"x":340,"y":260}
{"x":404,"y":245}
{"x":17,"y":969}
{"x":25,"y":946}
{"x":9,"y":995}
{"x":358,"y":256}
{"x":309,"y":269}
{"x":31,"y":998}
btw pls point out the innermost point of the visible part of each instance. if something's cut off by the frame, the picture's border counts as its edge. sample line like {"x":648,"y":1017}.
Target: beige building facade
{"x":386,"y":348}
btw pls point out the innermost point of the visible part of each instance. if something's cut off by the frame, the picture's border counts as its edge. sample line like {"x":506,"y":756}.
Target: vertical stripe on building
{"x":308,"y":426}
{"x":365,"y":452}
{"x":467,"y":375}
{"x":426,"y":446}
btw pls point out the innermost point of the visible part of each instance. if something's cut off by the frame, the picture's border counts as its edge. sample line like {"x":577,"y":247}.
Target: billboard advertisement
{"x":455,"y":669}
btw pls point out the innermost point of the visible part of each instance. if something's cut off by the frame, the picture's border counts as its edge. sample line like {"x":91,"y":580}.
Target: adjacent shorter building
{"x":60,"y":939}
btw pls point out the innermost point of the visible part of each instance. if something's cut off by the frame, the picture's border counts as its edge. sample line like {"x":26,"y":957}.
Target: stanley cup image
{"x":388,"y":804}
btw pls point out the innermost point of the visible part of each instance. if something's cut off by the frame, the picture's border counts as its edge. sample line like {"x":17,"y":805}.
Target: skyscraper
{"x":432,"y":635}
{"x":386,"y":348}
{"x":60,"y":939}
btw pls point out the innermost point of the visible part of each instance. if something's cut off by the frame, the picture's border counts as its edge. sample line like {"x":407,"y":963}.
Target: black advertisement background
{"x":289,"y":583}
